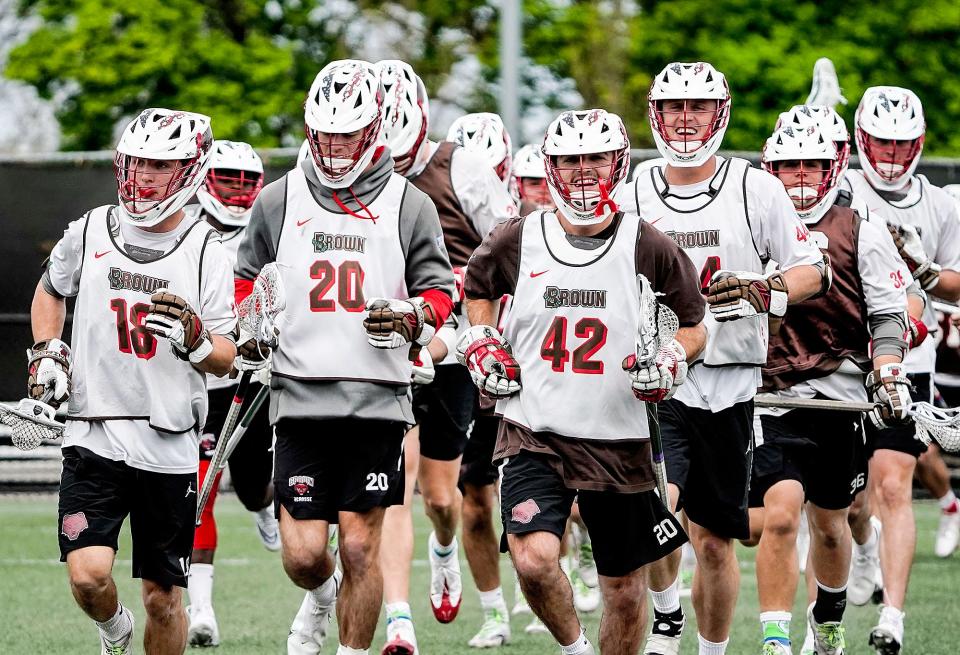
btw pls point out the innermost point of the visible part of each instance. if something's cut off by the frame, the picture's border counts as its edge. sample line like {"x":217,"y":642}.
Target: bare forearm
{"x":802,"y":282}
{"x":693,"y":339}
{"x":220,"y":361}
{"x":47,"y":315}
{"x":948,"y":287}
{"x":482,"y":312}
{"x":915,"y":305}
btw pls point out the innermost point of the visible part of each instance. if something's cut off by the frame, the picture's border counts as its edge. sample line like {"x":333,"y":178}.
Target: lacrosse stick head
{"x":658,"y":324}
{"x":31,"y":422}
{"x":937,"y":424}
{"x":259,"y":310}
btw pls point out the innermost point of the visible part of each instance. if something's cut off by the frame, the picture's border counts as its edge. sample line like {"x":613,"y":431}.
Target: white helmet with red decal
{"x":484,"y":134}
{"x":805,"y":160}
{"x":406,"y":112}
{"x":233,"y":182}
{"x":893,"y":117}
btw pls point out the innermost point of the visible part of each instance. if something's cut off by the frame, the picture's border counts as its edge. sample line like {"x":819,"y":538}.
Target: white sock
{"x":712,"y":648}
{"x":947,"y":500}
{"x":326,"y":594}
{"x":492,"y":599}
{"x":398,"y":611}
{"x":200,"y":585}
{"x":668,"y":600}
{"x":116,"y":626}
{"x":892,"y":614}
{"x":580,"y":647}
{"x":439,"y":549}
{"x":346,"y":650}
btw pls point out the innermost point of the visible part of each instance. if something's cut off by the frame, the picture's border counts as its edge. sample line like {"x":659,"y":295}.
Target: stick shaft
{"x":245,"y":422}
{"x":656,"y":448}
{"x":812,"y":403}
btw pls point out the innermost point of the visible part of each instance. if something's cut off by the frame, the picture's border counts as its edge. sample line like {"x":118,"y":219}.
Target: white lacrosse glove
{"x":253,"y":351}
{"x":394,"y":323}
{"x":262,"y":375}
{"x":741,"y":294}
{"x":889,"y":387}
{"x":423,"y":368}
{"x":908,"y":243}
{"x":488,"y":357}
{"x":48,"y":368}
{"x":659,"y":380}
{"x":172,"y":318}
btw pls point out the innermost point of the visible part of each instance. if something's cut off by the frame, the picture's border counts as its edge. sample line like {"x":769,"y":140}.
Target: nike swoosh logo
{"x":302,"y":223}
{"x":654,"y":221}
{"x":532,"y":274}
{"x":98,"y":255}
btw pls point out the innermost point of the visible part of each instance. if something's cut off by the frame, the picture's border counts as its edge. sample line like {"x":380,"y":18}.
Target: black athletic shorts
{"x":627,"y":530}
{"x":902,"y":438}
{"x":97,"y":494}
{"x":324,"y":467}
{"x":477,"y":467}
{"x":251,"y":464}
{"x":708,"y":456}
{"x":444,"y":410}
{"x":815,"y":447}
{"x":949,"y":395}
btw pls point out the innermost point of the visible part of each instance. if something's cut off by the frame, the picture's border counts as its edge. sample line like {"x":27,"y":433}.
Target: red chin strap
{"x":605,"y":201}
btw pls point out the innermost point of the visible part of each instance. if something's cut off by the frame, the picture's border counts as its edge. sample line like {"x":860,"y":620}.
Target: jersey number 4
{"x":554,"y":345}
{"x":349,"y":280}
{"x":134,"y":339}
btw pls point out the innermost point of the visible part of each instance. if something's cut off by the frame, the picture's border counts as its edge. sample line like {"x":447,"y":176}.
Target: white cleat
{"x":865,"y":569}
{"x":665,"y":633}
{"x":948,"y":532}
{"x":586,"y":565}
{"x":268,"y":528}
{"x":828,"y":637}
{"x":887,"y":637}
{"x":203,"y":630}
{"x":401,"y":638}
{"x":520,"y":604}
{"x":776,"y":648}
{"x":585,"y":598}
{"x":536,"y":627}
{"x":311,"y":624}
{"x":494,"y":632}
{"x":123,"y":645}
{"x":446,"y":587}
{"x":807,"y":648}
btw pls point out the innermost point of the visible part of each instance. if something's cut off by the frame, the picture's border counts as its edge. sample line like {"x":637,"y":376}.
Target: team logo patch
{"x":554,"y":297}
{"x":322,"y":242}
{"x":73,"y":525}
{"x":302,"y":484}
{"x":525,"y":511}
{"x":698,"y":239}
{"x":121,"y":279}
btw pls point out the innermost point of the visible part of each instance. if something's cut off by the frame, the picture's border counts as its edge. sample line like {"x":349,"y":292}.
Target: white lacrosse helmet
{"x":346,"y":97}
{"x":688,"y":82}
{"x":484,"y":134}
{"x":810,"y":147}
{"x":233,"y":182}
{"x":528,"y":177}
{"x":182,"y":137}
{"x":406,"y":112}
{"x":587,"y":198}
{"x":830,"y":124}
{"x":895,"y":114}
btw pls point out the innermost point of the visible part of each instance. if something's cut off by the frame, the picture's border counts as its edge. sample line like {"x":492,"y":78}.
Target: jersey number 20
{"x":349,"y":280}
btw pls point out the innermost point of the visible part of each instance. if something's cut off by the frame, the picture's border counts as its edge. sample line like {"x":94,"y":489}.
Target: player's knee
{"x":893,"y":491}
{"x":714,"y":552}
{"x":88,"y":584}
{"x":161,"y":603}
{"x":532,"y":566}
{"x":302,"y":565}
{"x":356,"y":552}
{"x":439,"y":502}
{"x":477,"y":519}
{"x":781,"y":522}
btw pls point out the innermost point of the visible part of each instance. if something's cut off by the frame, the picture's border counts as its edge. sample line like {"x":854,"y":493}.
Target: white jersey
{"x":574,"y":318}
{"x":132,"y":400}
{"x":934,"y":213}
{"x":331,"y":264}
{"x":737,"y":220}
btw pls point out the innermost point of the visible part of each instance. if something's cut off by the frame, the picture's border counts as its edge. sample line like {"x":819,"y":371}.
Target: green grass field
{"x":255,"y":602}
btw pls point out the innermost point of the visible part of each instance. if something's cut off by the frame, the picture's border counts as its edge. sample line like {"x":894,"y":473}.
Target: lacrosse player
{"x":470,"y":200}
{"x":226,"y":196}
{"x":730,"y":219}
{"x":923,"y":219}
{"x":368,"y":283}
{"x":571,"y":423}
{"x":809,"y":454}
{"x":154,"y":312}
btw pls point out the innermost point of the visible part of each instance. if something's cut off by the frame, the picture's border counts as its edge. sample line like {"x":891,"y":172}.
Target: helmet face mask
{"x":535,"y":192}
{"x":339,"y":155}
{"x":890,"y":134}
{"x":686,"y":126}
{"x":807,"y":181}
{"x":890,"y":159}
{"x":805,"y":161}
{"x":584,"y":181}
{"x":233,"y":183}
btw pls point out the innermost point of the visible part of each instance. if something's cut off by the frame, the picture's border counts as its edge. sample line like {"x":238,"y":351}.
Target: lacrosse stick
{"x":245,"y":422}
{"x":31,"y":422}
{"x":658,"y":325}
{"x":825,"y":89}
{"x":258,"y":314}
{"x":933,"y":423}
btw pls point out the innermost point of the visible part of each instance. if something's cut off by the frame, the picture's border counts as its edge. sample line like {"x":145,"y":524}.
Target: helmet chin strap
{"x":606,"y":206}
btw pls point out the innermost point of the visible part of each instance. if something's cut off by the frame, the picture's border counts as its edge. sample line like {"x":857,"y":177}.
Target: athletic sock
{"x":116,"y":626}
{"x":399,"y":611}
{"x":776,"y":626}
{"x":948,"y":502}
{"x":346,"y":650}
{"x":830,"y":603}
{"x":439,"y":549}
{"x":668,"y":600}
{"x":712,"y":647}
{"x":200,"y":585}
{"x":326,"y":594}
{"x":493,"y":599}
{"x":581,"y":646}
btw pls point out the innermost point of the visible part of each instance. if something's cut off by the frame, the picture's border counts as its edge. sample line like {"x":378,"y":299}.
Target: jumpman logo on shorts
{"x":190,"y":490}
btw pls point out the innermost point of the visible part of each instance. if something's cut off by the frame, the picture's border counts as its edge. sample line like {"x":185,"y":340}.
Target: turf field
{"x":255,"y":602}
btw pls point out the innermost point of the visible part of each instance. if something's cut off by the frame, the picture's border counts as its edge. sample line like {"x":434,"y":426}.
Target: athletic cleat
{"x":536,"y":627}
{"x":401,"y":638}
{"x":585,"y":598}
{"x":311,"y":624}
{"x":776,"y":648}
{"x":664,"y":637}
{"x":948,"y":532}
{"x":807,"y":648}
{"x":268,"y":528}
{"x":122,"y":646}
{"x":203,"y":630}
{"x":887,"y":637}
{"x":865,"y":574}
{"x":494,"y":632}
{"x":446,"y":587}
{"x":828,"y":637}
{"x":586,"y":566}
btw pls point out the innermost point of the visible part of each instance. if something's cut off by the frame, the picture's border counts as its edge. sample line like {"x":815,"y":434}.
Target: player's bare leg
{"x":536,"y":557}
{"x":777,"y":571}
{"x":624,"y":619}
{"x":830,"y":548}
{"x":864,"y":582}
{"x":442,"y":500}
{"x":664,"y":582}
{"x":716,"y":583}
{"x":482,"y":549}
{"x":934,"y":476}
{"x":91,"y":581}
{"x":362,"y":592}
{"x":166,"y":629}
